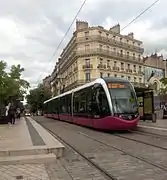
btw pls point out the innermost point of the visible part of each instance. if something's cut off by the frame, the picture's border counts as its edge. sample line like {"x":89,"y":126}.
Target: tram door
{"x":100,"y":103}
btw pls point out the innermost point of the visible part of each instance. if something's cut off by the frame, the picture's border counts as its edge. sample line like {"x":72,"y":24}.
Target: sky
{"x":30,"y":31}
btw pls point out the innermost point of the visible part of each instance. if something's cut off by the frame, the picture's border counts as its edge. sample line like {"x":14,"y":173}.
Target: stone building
{"x":96,"y":52}
{"x":155,"y":68}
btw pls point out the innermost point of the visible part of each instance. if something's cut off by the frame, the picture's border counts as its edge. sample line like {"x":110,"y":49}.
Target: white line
{"x":151,"y":127}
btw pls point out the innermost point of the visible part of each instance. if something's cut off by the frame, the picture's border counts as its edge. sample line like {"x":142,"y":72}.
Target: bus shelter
{"x":145,"y":98}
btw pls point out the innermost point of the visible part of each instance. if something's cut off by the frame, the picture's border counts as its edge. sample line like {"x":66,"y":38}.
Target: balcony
{"x":101,"y":66}
{"x":75,"y":69}
{"x":115,"y":68}
{"x":108,"y":67}
{"x":129,"y":70}
{"x":70,"y":73}
{"x":140,"y":72}
{"x":122,"y":69}
{"x":87,"y":66}
{"x":105,"y":53}
{"x":112,"y":42}
{"x":137,"y":84}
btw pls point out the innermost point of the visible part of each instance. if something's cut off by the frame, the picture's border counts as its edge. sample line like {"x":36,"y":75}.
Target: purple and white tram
{"x":106,"y":103}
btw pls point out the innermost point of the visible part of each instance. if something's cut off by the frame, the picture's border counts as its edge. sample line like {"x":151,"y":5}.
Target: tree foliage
{"x":163,"y":90}
{"x":37,"y":96}
{"x":12,"y":86}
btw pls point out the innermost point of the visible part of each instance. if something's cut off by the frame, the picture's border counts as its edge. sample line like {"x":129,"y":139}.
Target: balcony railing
{"x":87,"y":66}
{"x":101,"y":66}
{"x":115,"y":68}
{"x":112,"y":42}
{"x":103,"y":52}
{"x":76,"y":69}
{"x":129,"y":70}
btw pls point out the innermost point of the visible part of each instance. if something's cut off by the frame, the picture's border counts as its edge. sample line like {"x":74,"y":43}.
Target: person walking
{"x":18,"y":113}
{"x":12,"y":113}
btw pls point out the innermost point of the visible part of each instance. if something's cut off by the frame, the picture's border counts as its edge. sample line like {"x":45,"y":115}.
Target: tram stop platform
{"x":24,"y":149}
{"x":160,"y":127}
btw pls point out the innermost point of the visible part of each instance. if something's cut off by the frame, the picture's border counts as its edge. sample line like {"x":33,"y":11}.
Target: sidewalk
{"x":159,"y":123}
{"x":25,"y":149}
{"x":160,"y":127}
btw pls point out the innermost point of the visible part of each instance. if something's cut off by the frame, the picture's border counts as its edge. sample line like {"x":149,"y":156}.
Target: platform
{"x":159,"y":127}
{"x":27,"y":142}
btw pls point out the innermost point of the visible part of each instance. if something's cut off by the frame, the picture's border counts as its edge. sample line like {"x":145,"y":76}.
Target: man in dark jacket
{"x":11,"y":113}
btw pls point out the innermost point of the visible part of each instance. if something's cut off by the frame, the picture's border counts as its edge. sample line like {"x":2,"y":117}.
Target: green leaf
{"x":11,"y":84}
{"x":37,"y":97}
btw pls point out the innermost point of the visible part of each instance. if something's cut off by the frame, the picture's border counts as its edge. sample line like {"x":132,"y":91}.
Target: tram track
{"x":140,"y":141}
{"x":107,"y":175}
{"x":127,"y":153}
{"x":130,"y":154}
{"x":149,"y":133}
{"x":94,"y":162}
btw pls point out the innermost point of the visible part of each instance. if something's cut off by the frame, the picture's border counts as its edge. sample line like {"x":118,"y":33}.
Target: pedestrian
{"x":18,"y":113}
{"x":12,"y":113}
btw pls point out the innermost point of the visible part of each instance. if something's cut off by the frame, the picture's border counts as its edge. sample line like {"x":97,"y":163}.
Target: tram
{"x":105,"y":103}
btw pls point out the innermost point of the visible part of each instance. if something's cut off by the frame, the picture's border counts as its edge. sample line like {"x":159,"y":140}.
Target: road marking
{"x":151,"y":127}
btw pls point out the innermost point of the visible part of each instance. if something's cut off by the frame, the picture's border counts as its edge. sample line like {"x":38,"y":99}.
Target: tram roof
{"x":116,"y":79}
{"x":99,"y":80}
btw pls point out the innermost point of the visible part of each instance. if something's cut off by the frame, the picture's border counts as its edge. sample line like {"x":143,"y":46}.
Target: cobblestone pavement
{"x":119,"y":164}
{"x":72,"y":167}
{"x":23,"y":172}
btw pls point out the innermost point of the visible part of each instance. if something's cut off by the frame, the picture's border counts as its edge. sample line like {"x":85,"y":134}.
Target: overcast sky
{"x":30,"y":30}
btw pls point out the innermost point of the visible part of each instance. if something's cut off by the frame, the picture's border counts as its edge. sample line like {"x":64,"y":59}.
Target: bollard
{"x":154,"y":117}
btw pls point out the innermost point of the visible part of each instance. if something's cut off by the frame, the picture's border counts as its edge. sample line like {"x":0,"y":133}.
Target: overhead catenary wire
{"x":132,"y":21}
{"x":140,"y":14}
{"x":63,"y":38}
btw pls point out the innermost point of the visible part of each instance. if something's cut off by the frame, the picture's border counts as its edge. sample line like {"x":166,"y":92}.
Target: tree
{"x":12,"y":86}
{"x":163,"y":89}
{"x":37,"y":96}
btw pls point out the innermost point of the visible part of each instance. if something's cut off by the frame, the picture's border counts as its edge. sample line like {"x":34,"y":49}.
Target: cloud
{"x":30,"y":30}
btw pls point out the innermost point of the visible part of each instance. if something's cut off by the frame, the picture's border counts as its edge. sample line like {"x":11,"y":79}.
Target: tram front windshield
{"x":123,"y":98}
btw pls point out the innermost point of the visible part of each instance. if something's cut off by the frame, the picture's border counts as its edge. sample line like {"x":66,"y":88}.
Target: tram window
{"x":49,"y":107}
{"x":63,"y":105}
{"x":62,"y":109}
{"x":68,"y":103}
{"x":54,"y":105}
{"x":82,"y":107}
{"x":76,"y":102}
{"x":89,"y":100}
{"x":80,"y":102}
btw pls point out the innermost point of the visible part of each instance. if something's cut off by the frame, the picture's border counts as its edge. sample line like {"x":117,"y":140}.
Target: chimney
{"x":131,"y":35}
{"x":115,"y":29}
{"x":81,"y":25}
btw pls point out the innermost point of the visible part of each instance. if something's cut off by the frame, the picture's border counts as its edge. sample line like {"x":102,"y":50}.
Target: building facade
{"x":47,"y":82}
{"x":95,"y":52}
{"x":155,"y":68}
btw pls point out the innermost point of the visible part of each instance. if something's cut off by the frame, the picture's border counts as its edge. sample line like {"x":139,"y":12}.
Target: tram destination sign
{"x":116,"y":85}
